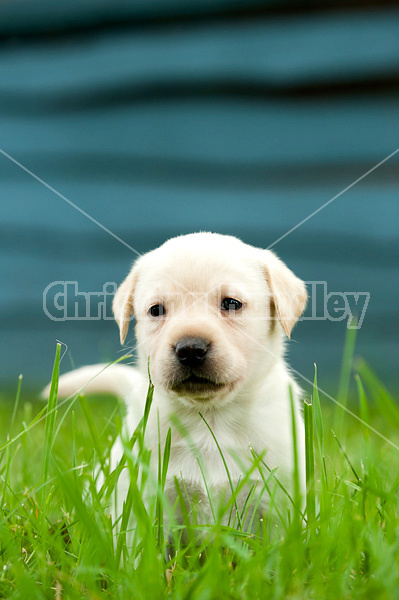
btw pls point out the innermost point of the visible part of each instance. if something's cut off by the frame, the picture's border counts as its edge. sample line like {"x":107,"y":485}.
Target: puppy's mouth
{"x":195,"y":385}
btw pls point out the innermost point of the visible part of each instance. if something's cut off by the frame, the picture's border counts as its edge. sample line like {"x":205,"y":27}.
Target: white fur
{"x":251,"y":407}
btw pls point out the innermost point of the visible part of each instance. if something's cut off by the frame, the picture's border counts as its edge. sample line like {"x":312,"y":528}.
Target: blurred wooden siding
{"x":236,"y":117}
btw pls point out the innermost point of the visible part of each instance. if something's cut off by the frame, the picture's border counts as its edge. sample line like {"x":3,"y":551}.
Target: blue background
{"x":167,"y":117}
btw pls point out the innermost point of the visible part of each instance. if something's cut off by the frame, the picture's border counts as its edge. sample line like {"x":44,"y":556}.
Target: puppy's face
{"x":205,"y":308}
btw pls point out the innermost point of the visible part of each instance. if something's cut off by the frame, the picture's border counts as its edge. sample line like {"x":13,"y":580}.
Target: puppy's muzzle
{"x":192,"y":351}
{"x":194,"y":373}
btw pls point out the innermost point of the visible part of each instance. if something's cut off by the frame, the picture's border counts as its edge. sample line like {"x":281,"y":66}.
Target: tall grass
{"x":58,"y":538}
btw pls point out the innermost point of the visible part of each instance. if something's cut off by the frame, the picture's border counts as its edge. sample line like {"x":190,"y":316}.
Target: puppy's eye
{"x":158,"y":310}
{"x":231,"y":304}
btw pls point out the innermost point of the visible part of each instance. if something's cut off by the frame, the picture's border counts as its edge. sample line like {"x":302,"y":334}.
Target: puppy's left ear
{"x":289,"y":293}
{"x":122,"y":304}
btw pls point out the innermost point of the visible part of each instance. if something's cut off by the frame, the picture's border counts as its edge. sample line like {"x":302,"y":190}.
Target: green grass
{"x":58,"y":541}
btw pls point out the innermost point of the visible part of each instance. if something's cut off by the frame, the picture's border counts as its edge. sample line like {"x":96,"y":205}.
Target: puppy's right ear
{"x":122,"y":304}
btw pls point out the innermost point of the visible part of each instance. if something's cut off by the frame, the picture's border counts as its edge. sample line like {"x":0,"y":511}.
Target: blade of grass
{"x":344,"y":379}
{"x":8,"y":448}
{"x":364,"y":410}
{"x":74,"y":444}
{"x":16,"y":403}
{"x":319,"y":429}
{"x":318,"y":419}
{"x":296,"y":477}
{"x":162,"y":472}
{"x":50,"y":417}
{"x":309,"y":458}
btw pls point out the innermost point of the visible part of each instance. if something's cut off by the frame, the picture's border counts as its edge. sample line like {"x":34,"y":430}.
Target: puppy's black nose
{"x":191,"y":351}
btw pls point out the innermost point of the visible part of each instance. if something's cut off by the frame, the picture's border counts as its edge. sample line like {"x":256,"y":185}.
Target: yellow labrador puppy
{"x":212,"y":314}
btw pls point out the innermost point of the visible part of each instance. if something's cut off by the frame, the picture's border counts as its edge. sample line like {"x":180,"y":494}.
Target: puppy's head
{"x":210,"y":313}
